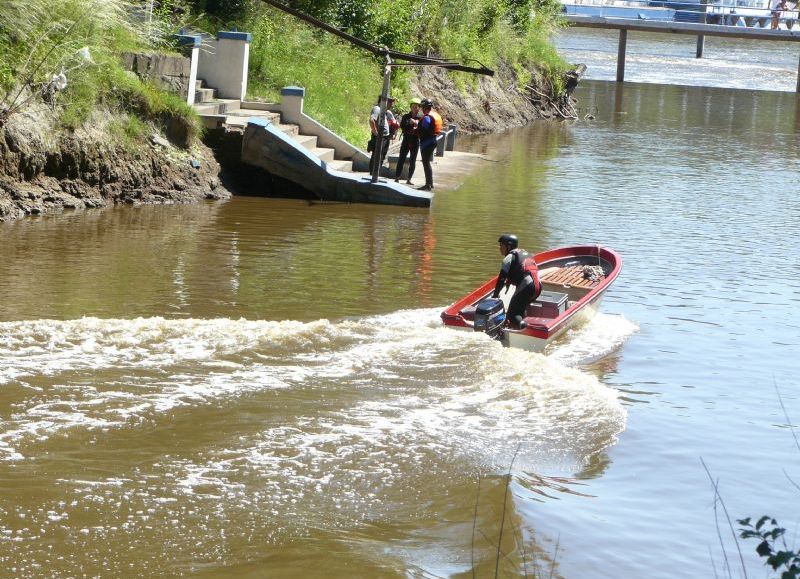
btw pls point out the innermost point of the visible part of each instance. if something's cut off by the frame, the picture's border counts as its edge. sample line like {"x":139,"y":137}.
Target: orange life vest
{"x":437,"y":122}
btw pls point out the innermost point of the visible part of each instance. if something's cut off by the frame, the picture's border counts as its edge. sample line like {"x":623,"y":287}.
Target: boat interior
{"x":564,"y":282}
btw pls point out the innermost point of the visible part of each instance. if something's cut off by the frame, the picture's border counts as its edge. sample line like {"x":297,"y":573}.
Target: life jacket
{"x":433,"y":129}
{"x":437,"y":122}
{"x":522,"y":265}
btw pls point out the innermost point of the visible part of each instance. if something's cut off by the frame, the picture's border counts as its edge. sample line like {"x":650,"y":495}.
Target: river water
{"x":261,"y":388}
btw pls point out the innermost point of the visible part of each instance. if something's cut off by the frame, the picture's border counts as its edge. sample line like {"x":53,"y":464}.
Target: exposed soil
{"x":488,"y":103}
{"x":44,"y":171}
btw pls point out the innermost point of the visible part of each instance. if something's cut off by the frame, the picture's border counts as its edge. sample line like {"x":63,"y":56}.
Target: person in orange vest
{"x":428,"y":129}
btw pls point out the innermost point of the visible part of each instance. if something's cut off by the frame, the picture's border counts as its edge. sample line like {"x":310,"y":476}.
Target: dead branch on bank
{"x":563,"y":105}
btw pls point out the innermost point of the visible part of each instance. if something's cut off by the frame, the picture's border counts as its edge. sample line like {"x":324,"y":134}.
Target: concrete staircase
{"x":231,"y":115}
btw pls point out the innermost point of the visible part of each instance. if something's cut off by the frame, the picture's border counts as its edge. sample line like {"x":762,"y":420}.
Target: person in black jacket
{"x":428,"y":130}
{"x":409,"y":146}
{"x":519,"y":270}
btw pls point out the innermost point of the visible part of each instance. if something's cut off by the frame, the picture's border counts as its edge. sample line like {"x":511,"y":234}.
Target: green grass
{"x":129,"y":131}
{"x":342,"y":83}
{"x":40,"y":38}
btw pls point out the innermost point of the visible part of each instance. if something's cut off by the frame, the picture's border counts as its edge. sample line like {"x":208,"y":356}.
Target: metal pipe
{"x":377,"y":151}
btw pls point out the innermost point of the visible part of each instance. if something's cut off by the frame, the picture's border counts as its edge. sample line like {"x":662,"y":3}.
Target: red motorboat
{"x":574,"y":280}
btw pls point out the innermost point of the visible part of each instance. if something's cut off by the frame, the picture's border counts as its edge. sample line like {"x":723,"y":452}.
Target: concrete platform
{"x":450,"y":170}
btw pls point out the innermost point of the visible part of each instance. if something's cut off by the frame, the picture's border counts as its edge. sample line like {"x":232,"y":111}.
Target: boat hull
{"x":532,"y":343}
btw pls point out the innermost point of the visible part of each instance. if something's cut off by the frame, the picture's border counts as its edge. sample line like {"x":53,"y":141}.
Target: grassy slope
{"x":39,"y":39}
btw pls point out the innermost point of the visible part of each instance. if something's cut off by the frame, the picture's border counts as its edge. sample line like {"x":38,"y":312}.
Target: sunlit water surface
{"x":261,"y":388}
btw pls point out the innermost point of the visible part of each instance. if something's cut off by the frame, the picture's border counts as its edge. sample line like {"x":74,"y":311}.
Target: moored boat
{"x":573,"y":279}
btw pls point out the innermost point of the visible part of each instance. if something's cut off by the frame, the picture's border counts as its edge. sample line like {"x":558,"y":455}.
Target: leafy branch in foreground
{"x":772,"y":546}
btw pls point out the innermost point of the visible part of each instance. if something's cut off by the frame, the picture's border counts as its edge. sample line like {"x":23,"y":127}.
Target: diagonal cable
{"x":377,"y":50}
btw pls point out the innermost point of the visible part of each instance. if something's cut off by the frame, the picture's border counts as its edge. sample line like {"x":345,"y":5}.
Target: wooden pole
{"x":623,"y":41}
{"x":701,"y":41}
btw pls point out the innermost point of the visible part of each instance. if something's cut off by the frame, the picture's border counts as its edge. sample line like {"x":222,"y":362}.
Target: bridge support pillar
{"x":797,"y":87}
{"x":623,"y":43}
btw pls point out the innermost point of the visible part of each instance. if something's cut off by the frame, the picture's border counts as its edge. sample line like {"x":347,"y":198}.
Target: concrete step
{"x":213,"y":121}
{"x":217,"y":107}
{"x":290,"y":130}
{"x":344,"y":165}
{"x":234,"y":115}
{"x":242,"y":116}
{"x":307,"y":141}
{"x":205,"y":95}
{"x":324,"y":153}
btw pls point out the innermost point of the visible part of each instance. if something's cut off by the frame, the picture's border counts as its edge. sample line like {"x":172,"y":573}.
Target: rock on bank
{"x":45,"y":171}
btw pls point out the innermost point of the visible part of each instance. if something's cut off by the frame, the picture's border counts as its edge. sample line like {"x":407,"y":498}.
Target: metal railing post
{"x":377,"y":151}
{"x":451,"y":137}
{"x":440,"y":143}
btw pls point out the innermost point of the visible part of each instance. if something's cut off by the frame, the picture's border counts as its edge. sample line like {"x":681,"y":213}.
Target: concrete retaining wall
{"x":168,"y":72}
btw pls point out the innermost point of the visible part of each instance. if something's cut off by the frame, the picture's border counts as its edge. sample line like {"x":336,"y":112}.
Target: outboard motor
{"x":490,"y":317}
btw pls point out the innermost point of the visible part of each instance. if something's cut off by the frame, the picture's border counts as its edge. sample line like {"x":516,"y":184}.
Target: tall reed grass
{"x":83,"y":40}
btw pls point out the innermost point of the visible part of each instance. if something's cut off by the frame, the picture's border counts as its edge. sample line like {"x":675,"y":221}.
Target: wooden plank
{"x":572,"y":275}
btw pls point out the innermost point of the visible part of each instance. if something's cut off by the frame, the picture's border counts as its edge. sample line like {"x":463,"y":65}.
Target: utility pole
{"x":377,"y":151}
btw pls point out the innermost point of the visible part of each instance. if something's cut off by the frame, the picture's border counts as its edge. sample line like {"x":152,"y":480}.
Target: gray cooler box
{"x":548,"y":305}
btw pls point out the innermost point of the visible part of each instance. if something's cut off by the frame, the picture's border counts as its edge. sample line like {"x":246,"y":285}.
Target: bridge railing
{"x":744,"y":13}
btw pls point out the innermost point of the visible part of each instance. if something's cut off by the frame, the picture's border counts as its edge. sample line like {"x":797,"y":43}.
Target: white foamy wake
{"x":603,"y":334}
{"x":301,"y":426}
{"x":398,"y":381}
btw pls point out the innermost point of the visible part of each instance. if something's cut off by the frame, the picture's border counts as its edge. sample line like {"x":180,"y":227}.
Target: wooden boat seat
{"x":570,"y":276}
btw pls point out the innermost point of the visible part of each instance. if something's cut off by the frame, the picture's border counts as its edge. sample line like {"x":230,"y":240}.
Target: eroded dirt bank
{"x":45,"y":171}
{"x":490,"y":104}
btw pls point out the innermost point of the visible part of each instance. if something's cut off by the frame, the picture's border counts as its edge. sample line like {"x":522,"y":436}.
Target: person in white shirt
{"x":374,"y":123}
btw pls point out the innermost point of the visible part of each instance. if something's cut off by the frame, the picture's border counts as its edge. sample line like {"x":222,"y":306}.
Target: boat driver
{"x":524,"y":276}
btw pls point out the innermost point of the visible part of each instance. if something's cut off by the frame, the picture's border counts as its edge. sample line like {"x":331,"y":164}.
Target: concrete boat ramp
{"x":266,"y":146}
{"x":257,"y":141}
{"x":285,"y":142}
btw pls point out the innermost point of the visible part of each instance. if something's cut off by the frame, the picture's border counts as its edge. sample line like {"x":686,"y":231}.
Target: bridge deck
{"x":673,"y":27}
{"x":692,"y":28}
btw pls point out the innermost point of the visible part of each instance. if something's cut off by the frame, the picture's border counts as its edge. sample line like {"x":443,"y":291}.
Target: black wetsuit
{"x":525,"y":278}
{"x":408,"y":146}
